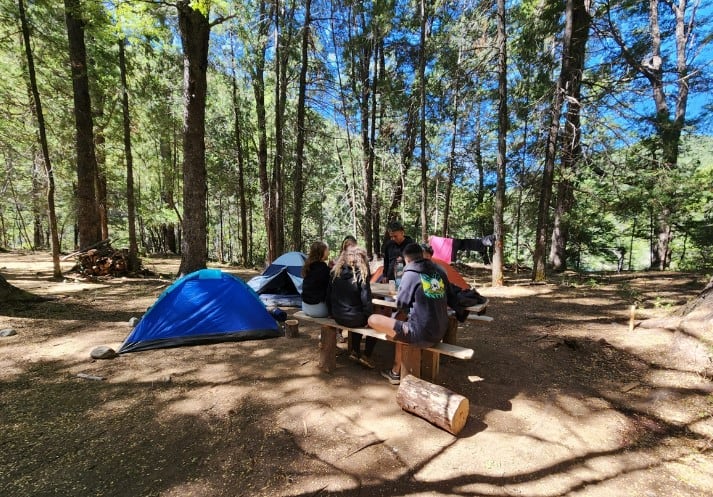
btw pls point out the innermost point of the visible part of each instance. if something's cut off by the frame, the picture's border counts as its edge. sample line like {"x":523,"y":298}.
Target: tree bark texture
{"x":88,"y":222}
{"x":576,"y":34}
{"x":195,"y":30}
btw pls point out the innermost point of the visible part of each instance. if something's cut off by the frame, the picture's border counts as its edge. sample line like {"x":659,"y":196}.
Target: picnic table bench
{"x":475,"y":313}
{"x":419,"y":362}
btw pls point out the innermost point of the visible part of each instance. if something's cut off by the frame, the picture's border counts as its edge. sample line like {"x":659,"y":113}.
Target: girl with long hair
{"x":350,"y":298}
{"x":315,"y":283}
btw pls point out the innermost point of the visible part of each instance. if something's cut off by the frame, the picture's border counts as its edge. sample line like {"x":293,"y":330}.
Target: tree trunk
{"x":299,"y":152}
{"x":364,"y":64}
{"x":241,"y":161}
{"x":37,"y":175}
{"x":195,"y":32}
{"x":280,"y":105}
{"x":451,"y":175}
{"x":258,"y":83}
{"x":406,"y":159}
{"x":543,"y":210}
{"x":422,"y":124}
{"x":42,"y":133}
{"x":133,"y":262}
{"x":87,"y":207}
{"x":668,"y":128}
{"x":497,"y":277}
{"x":350,"y":182}
{"x":577,"y":25}
{"x":378,"y":68}
{"x":100,"y":185}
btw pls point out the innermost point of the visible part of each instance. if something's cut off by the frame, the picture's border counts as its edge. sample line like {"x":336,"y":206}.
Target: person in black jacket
{"x":393,"y":249}
{"x":349,"y":298}
{"x":315,"y":282}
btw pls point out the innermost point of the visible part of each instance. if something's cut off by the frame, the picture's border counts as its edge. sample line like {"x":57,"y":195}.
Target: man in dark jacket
{"x":393,"y":249}
{"x":423,"y":298}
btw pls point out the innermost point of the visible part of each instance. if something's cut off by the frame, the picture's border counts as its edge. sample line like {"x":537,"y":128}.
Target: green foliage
{"x":620,"y":184}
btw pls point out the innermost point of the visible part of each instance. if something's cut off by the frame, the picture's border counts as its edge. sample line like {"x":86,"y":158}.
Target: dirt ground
{"x":564,"y":399}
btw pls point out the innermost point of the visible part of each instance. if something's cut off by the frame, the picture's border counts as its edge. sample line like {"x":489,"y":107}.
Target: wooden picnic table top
{"x":472,"y":311}
{"x":382,"y":290}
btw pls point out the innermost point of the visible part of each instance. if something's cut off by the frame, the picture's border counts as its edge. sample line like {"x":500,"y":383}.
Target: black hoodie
{"x":423,"y":295}
{"x":349,"y":298}
{"x":314,"y":285}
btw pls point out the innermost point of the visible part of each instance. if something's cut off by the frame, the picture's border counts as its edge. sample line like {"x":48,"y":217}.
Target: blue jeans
{"x":315,"y":310}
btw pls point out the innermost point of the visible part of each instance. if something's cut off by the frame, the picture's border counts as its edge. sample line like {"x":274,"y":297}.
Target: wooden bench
{"x":420,"y":362}
{"x":475,"y":313}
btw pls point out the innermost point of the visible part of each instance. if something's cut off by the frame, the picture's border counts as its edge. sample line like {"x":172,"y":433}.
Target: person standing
{"x":393,"y":250}
{"x":350,"y":297}
{"x":315,"y":282}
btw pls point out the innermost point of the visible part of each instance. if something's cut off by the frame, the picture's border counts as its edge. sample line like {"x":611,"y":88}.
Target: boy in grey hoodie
{"x":423,"y":298}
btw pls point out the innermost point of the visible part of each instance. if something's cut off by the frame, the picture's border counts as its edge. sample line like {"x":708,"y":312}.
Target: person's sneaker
{"x":366,"y":362}
{"x":393,"y":378}
{"x":340,"y":337}
{"x":354,"y":356}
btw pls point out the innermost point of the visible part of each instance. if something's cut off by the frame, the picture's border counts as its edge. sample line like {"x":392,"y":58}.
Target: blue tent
{"x":282,"y":277}
{"x":206,"y":306}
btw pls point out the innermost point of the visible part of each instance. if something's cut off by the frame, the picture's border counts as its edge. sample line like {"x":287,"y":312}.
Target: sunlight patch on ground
{"x":515,"y":291}
{"x":566,"y":476}
{"x":570,"y":422}
{"x":693,"y":470}
{"x":704,"y":427}
{"x":663,"y":378}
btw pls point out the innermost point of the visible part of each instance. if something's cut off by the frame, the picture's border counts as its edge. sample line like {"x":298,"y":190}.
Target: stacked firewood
{"x":101,"y":260}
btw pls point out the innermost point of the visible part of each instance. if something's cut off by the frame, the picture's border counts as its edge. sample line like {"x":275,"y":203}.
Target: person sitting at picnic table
{"x":315,"y":283}
{"x":427,"y":251}
{"x":393,"y":249}
{"x":350,"y":297}
{"x":464,"y":297}
{"x":423,"y":300}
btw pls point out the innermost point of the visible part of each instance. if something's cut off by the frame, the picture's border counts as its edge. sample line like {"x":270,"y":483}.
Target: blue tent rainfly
{"x":207,"y":306}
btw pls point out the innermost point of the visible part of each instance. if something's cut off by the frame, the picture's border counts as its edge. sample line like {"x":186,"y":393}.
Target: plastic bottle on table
{"x":398,"y":272}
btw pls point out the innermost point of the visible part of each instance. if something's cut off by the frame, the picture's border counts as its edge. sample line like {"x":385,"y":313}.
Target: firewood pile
{"x":101,"y":260}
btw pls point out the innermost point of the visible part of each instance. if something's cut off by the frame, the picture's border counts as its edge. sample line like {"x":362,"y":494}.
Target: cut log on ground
{"x":434,"y":403}
{"x":292,"y":329}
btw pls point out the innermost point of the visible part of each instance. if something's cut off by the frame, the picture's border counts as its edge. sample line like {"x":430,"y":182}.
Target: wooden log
{"x":292,"y":328}
{"x":434,"y":403}
{"x":328,"y":346}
